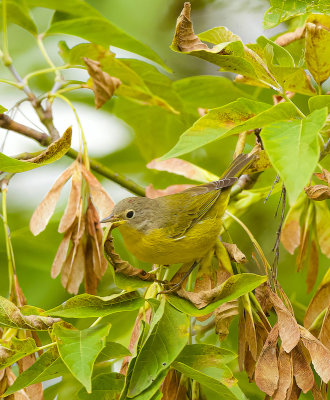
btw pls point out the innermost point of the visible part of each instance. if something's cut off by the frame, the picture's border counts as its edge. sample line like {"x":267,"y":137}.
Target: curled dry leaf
{"x":288,"y":327}
{"x":262,"y":296}
{"x":235,"y":253}
{"x":324,"y":176}
{"x":223,"y":317}
{"x":103,"y":85}
{"x":285,"y":380}
{"x":184,"y":168}
{"x":290,"y":235}
{"x":184,"y":38}
{"x":319,"y":353}
{"x":325,"y":330}
{"x":301,"y":369}
{"x":152,"y":193}
{"x":174,"y":386}
{"x":319,"y":302}
{"x":317,"y":192}
{"x":121,"y":266}
{"x":267,"y":373}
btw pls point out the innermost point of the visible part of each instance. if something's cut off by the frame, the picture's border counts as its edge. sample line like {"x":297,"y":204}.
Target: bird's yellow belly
{"x":157,"y":248}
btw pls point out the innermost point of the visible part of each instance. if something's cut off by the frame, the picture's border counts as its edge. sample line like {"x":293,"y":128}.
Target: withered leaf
{"x":61,"y":253}
{"x":103,"y":85}
{"x":184,"y":38}
{"x":317,"y":394}
{"x":267,"y":373}
{"x":288,"y":327}
{"x":184,"y":168}
{"x":174,"y":386}
{"x":319,"y":302}
{"x":55,"y":150}
{"x":153,"y":193}
{"x":250,"y":333}
{"x":313,"y":263}
{"x":241,"y":339}
{"x":324,"y":176}
{"x":11,"y":316}
{"x":290,"y":235}
{"x":72,"y":208}
{"x":75,"y":269}
{"x":262,"y":297}
{"x":235,"y":253}
{"x":323,"y":227}
{"x":317,"y":192}
{"x":319,"y":353}
{"x":46,"y":208}
{"x":301,"y":369}
{"x":325,"y":330}
{"x":223,"y":317}
{"x":101,"y":199}
{"x":285,"y":381}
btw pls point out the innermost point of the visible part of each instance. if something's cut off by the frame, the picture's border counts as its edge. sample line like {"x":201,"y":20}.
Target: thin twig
{"x":94,"y":164}
{"x":277,"y":178}
{"x":276,"y":248}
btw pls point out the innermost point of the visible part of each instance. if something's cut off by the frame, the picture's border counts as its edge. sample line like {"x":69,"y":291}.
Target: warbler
{"x":178,"y":228}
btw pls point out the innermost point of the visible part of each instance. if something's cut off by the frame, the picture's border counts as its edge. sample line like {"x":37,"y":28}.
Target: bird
{"x":177,"y":228}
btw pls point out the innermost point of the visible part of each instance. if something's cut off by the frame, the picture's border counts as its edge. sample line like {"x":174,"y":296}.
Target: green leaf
{"x":317,"y":102}
{"x":17,"y":349}
{"x":281,"y":56}
{"x":293,"y":149}
{"x":317,"y":52}
{"x":238,"y":116}
{"x":168,"y":335}
{"x":10,"y":316}
{"x":210,"y":382}
{"x":203,"y":355}
{"x":217,"y":35}
{"x":47,"y":366}
{"x":2,"y":109}
{"x":54,"y":152}
{"x":282,"y":10}
{"x":74,"y":7}
{"x":203,"y":91}
{"x":105,"y":387}
{"x":101,"y":31}
{"x":79,"y":350}
{"x":113,"y":350}
{"x":151,"y":392}
{"x":86,"y":305}
{"x":18,"y":14}
{"x":231,"y":289}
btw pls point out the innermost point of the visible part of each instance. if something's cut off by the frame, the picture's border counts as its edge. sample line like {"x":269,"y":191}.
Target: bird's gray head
{"x":137,"y":212}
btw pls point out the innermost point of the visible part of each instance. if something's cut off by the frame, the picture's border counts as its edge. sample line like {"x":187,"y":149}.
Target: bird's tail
{"x":237,"y":167}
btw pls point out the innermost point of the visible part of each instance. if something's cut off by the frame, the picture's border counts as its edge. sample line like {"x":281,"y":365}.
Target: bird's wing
{"x":193,"y":205}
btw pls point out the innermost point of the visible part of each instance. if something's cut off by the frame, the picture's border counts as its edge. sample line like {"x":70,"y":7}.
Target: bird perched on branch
{"x":181,"y":227}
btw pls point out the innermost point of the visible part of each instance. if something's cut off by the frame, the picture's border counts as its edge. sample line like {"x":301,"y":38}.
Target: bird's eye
{"x":130,"y":214}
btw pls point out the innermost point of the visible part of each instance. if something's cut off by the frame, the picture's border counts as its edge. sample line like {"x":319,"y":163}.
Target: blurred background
{"x":118,"y":145}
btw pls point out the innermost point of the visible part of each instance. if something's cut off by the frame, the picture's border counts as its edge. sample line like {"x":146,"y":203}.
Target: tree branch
{"x":7,"y":123}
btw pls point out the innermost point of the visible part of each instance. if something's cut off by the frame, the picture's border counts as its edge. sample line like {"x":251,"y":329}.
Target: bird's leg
{"x":177,"y":286}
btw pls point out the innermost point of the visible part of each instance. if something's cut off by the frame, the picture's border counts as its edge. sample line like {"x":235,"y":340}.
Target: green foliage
{"x":163,"y":344}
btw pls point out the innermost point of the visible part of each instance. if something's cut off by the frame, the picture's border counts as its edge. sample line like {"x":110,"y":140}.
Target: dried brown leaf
{"x":77,"y":271}
{"x":46,"y":208}
{"x":320,"y":301}
{"x":266,"y":372}
{"x":317,"y":192}
{"x":319,"y":353}
{"x":174,"y":387}
{"x":317,"y":394}
{"x":91,"y":280}
{"x":103,"y":85}
{"x":184,"y":38}
{"x":249,"y":364}
{"x":288,"y":327}
{"x":325,"y":330}
{"x":235,"y":253}
{"x":250,"y":333}
{"x":285,"y":381}
{"x":261,"y":293}
{"x":61,"y":253}
{"x":153,"y":193}
{"x":290,"y":235}
{"x":34,"y":391}
{"x":295,"y":391}
{"x":289,"y":37}
{"x":279,"y":99}
{"x":184,"y":168}
{"x":301,"y":369}
{"x":241,"y":340}
{"x":72,"y":208}
{"x":223,"y":317}
{"x":100,"y":197}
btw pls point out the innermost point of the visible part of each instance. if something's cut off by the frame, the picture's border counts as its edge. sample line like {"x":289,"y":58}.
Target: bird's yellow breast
{"x":158,"y":248}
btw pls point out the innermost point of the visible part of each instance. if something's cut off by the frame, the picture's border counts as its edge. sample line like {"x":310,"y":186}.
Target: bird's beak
{"x":111,"y":218}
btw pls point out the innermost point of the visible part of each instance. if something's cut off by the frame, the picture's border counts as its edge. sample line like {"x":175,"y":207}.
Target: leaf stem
{"x":295,"y":106}
{"x":44,"y":71}
{"x":43,"y":50}
{"x":12,"y":83}
{"x":9,"y":247}
{"x":46,"y":346}
{"x":5,"y":53}
{"x":99,"y":319}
